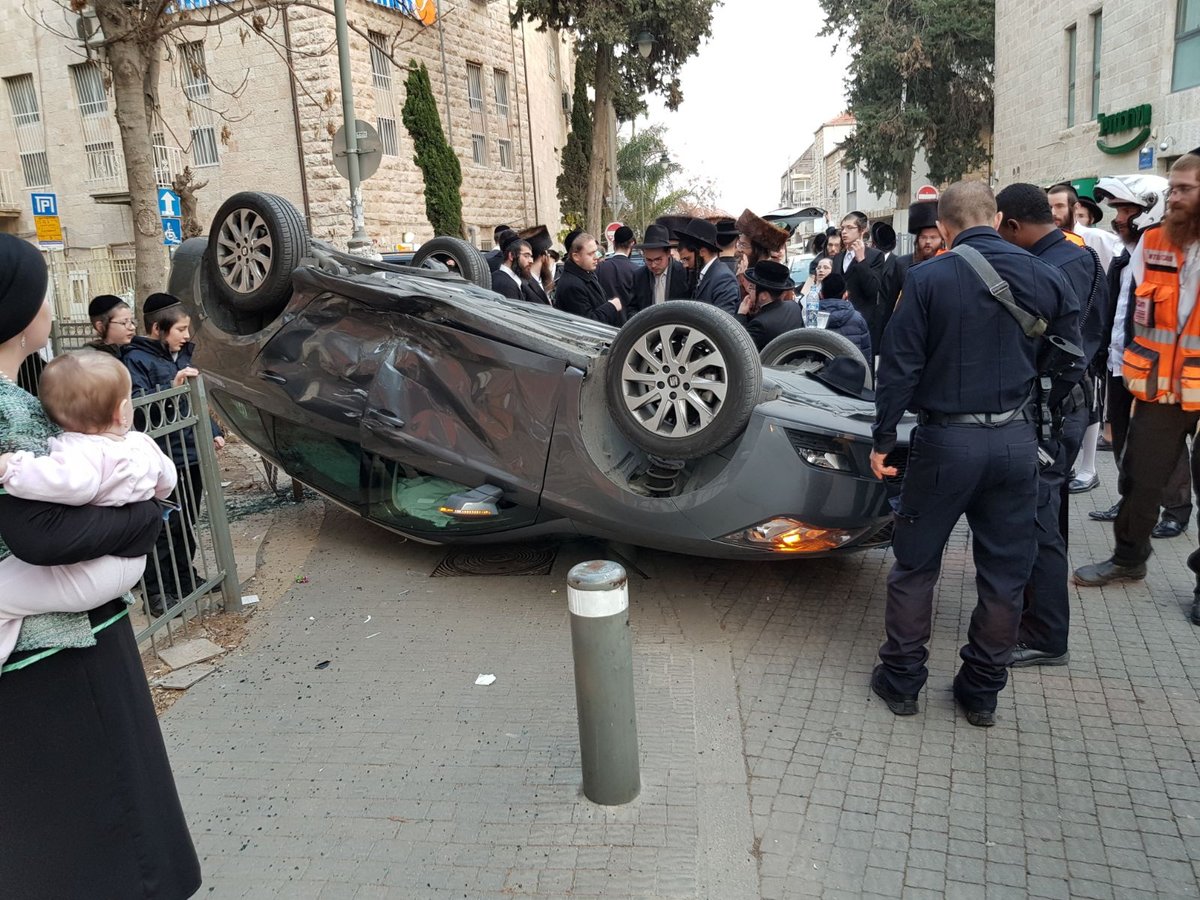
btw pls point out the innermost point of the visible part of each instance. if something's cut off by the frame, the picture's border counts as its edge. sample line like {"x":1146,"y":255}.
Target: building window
{"x":31,"y":137}
{"x":1186,"y":72}
{"x":1072,"y":59}
{"x":552,"y":55}
{"x":196,"y":87}
{"x":1097,"y":35}
{"x":385,"y":106}
{"x":503,"y":119}
{"x":479,"y":153}
{"x":103,"y":165}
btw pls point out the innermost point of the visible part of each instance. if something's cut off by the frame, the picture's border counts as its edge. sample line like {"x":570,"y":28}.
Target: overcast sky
{"x":752,"y":98}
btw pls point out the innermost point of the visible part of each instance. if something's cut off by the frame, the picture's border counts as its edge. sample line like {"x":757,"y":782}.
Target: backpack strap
{"x":1033,"y":326}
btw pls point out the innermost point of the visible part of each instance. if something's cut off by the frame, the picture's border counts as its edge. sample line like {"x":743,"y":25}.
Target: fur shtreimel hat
{"x":762,"y":232}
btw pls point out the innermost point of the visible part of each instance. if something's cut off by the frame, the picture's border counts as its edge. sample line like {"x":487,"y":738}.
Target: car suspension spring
{"x":662,"y":476}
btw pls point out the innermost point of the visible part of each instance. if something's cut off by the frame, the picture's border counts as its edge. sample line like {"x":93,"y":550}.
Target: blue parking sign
{"x":172,"y":232}
{"x":44,"y":204}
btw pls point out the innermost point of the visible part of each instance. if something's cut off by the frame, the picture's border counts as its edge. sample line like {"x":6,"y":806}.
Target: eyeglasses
{"x":124,"y":323}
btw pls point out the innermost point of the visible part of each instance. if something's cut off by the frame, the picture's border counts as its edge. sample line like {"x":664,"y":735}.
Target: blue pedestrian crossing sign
{"x":168,"y":203}
{"x":172,"y":232}
{"x":44,"y":204}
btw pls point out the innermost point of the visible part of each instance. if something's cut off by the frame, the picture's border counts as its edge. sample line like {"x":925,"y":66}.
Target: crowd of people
{"x":1017,"y":330}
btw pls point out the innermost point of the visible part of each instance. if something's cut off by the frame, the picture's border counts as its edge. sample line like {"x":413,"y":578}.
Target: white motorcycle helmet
{"x":1147,"y":191}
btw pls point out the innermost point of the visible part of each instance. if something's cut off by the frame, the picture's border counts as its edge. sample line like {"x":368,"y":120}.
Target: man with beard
{"x":1045,"y":620}
{"x":1161,"y":368}
{"x":765,"y":313}
{"x":1138,"y":202}
{"x":509,"y":278}
{"x":533,"y":288}
{"x":1062,"y":204}
{"x":922,"y":225}
{"x":698,"y":250}
{"x":579,"y":292}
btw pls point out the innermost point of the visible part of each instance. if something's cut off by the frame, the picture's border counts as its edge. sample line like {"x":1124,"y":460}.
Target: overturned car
{"x":418,"y":398}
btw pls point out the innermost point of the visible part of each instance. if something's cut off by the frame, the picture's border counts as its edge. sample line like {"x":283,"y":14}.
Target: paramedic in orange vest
{"x":1161,"y":369}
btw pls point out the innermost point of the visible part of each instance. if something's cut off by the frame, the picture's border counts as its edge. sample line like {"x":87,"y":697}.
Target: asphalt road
{"x":768,"y":769}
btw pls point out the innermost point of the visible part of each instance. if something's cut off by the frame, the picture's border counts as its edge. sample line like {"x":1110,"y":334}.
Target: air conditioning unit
{"x":87,"y":28}
{"x":566,"y":103}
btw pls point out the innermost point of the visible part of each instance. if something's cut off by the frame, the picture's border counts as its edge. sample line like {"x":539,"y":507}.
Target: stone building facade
{"x":257,"y":112}
{"x":1062,"y":68}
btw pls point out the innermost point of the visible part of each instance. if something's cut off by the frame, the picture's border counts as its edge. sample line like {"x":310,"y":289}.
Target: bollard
{"x":598,"y":599}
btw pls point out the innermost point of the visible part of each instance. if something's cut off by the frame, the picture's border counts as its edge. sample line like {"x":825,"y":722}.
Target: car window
{"x":331,"y":465}
{"x":245,"y":419}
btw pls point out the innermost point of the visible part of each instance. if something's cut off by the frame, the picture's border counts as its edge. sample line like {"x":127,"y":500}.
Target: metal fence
{"x":76,"y":279}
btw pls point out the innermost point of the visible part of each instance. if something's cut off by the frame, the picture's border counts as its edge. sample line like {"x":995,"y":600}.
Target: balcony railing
{"x":105,"y":173}
{"x":10,"y":199}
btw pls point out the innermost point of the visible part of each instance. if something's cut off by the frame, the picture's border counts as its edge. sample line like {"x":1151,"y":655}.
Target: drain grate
{"x":497,"y":559}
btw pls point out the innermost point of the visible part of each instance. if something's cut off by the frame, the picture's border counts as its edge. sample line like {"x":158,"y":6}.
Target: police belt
{"x":987,"y":420}
{"x":1077,"y":399}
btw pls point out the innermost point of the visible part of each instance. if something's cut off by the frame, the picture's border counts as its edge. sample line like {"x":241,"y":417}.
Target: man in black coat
{"x":662,"y":278}
{"x":616,"y":272}
{"x":579,"y":290}
{"x":766,"y":314}
{"x":501,"y":235}
{"x":698,"y":249}
{"x":539,"y":241}
{"x":509,"y":277}
{"x":862,"y":267}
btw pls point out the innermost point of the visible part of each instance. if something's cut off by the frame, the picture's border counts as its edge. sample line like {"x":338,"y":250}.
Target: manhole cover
{"x":497,"y":559}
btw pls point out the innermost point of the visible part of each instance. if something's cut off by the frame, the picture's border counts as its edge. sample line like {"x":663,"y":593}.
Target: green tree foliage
{"x":644,"y":173}
{"x":606,"y":30}
{"x":434,"y":156}
{"x":577,"y":154}
{"x":920,"y":77}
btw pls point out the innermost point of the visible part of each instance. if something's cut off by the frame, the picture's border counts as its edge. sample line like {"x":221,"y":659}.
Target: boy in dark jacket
{"x":160,"y":360}
{"x":843,"y":317}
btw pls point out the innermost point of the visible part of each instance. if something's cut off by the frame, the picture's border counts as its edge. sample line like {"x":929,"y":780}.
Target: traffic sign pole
{"x":359,"y":239}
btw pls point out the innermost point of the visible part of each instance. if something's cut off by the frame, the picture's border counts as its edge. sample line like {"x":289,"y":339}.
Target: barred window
{"x":31,"y":136}
{"x":385,"y":105}
{"x":479,"y":151}
{"x":198,"y":90}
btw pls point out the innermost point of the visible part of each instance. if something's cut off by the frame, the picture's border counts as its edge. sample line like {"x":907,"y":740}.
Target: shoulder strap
{"x":1033,"y":326}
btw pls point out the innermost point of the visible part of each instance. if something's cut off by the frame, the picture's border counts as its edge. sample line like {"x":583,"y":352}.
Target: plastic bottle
{"x":812,"y":303}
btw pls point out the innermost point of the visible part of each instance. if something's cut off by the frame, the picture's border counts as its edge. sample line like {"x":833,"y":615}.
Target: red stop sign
{"x":610,"y":233}
{"x":927,"y":192}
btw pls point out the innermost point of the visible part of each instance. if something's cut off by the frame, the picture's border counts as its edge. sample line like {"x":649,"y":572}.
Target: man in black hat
{"x":501,"y":235}
{"x":765,"y":313}
{"x":579,"y":291}
{"x":922,"y":225}
{"x":615,"y":273}
{"x":698,"y":250}
{"x":509,"y":279}
{"x":662,"y":278}
{"x":541,"y":270}
{"x":727,"y":237}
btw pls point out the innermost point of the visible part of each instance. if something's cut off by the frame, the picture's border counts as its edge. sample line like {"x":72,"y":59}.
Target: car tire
{"x":809,"y":348}
{"x":717,"y":380}
{"x":469,"y":262}
{"x":255,"y":243}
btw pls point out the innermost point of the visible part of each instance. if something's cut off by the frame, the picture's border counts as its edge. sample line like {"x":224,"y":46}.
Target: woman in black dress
{"x":88,"y":805}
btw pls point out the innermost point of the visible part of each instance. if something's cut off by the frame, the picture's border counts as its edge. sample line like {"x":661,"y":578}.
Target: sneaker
{"x":899,"y":704}
{"x":1102,"y":573}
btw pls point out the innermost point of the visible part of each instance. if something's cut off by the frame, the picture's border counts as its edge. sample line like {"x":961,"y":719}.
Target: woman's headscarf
{"x":22,"y":285}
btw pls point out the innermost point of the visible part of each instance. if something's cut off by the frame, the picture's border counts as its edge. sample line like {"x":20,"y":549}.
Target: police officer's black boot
{"x":1196,"y":607}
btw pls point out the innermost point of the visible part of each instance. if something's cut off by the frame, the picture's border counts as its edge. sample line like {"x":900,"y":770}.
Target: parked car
{"x":432,"y":406}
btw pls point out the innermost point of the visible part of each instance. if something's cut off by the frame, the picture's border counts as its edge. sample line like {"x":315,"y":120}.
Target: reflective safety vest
{"x":1162,"y":362}
{"x":1073,"y":238}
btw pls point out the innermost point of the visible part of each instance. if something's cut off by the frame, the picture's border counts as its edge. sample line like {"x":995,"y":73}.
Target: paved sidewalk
{"x":768,"y":768}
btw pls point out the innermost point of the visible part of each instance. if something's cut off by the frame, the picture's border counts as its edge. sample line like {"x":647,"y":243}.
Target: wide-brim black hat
{"x":699,"y":231}
{"x":672,"y":224}
{"x":846,"y":375}
{"x":538,"y":238}
{"x":1094,"y":208}
{"x":883,"y":236}
{"x":921,"y":215}
{"x":771,"y":276}
{"x":658,"y":237}
{"x":727,"y":231}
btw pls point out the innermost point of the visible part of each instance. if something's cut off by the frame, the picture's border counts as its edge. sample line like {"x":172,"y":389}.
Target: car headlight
{"x":786,"y":535}
{"x":822,"y":452}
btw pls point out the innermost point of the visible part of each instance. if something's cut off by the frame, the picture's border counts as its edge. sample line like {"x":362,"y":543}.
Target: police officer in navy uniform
{"x":953,"y":354}
{"x":1027,"y":222}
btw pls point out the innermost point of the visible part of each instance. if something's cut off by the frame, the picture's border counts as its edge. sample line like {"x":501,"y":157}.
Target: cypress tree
{"x":577,"y":154}
{"x":434,"y":156}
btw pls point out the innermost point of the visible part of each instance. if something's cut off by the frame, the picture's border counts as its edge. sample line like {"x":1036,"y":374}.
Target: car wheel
{"x":256,"y":241}
{"x":683,"y":378}
{"x":459,"y":256}
{"x":807,"y":349}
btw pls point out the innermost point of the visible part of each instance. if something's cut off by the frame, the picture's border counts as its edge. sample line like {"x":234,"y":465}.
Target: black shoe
{"x":1102,"y":573}
{"x":899,"y":704}
{"x":977,"y":716}
{"x":1102,"y":443}
{"x":1105,"y":515}
{"x":1024,"y":655}
{"x":1083,"y":485}
{"x":160,"y":603}
{"x":1168,"y":528}
{"x":1196,"y":609}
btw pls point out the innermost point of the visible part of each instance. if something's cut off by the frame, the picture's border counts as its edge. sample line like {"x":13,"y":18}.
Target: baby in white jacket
{"x":96,"y":461}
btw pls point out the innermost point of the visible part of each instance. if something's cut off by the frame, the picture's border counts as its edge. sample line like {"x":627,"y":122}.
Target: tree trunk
{"x":134,"y":62}
{"x":602,"y":124}
{"x":903,"y":199}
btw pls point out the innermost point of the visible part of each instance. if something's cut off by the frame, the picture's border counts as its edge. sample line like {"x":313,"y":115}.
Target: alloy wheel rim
{"x":244,"y":251}
{"x":674,"y":381}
